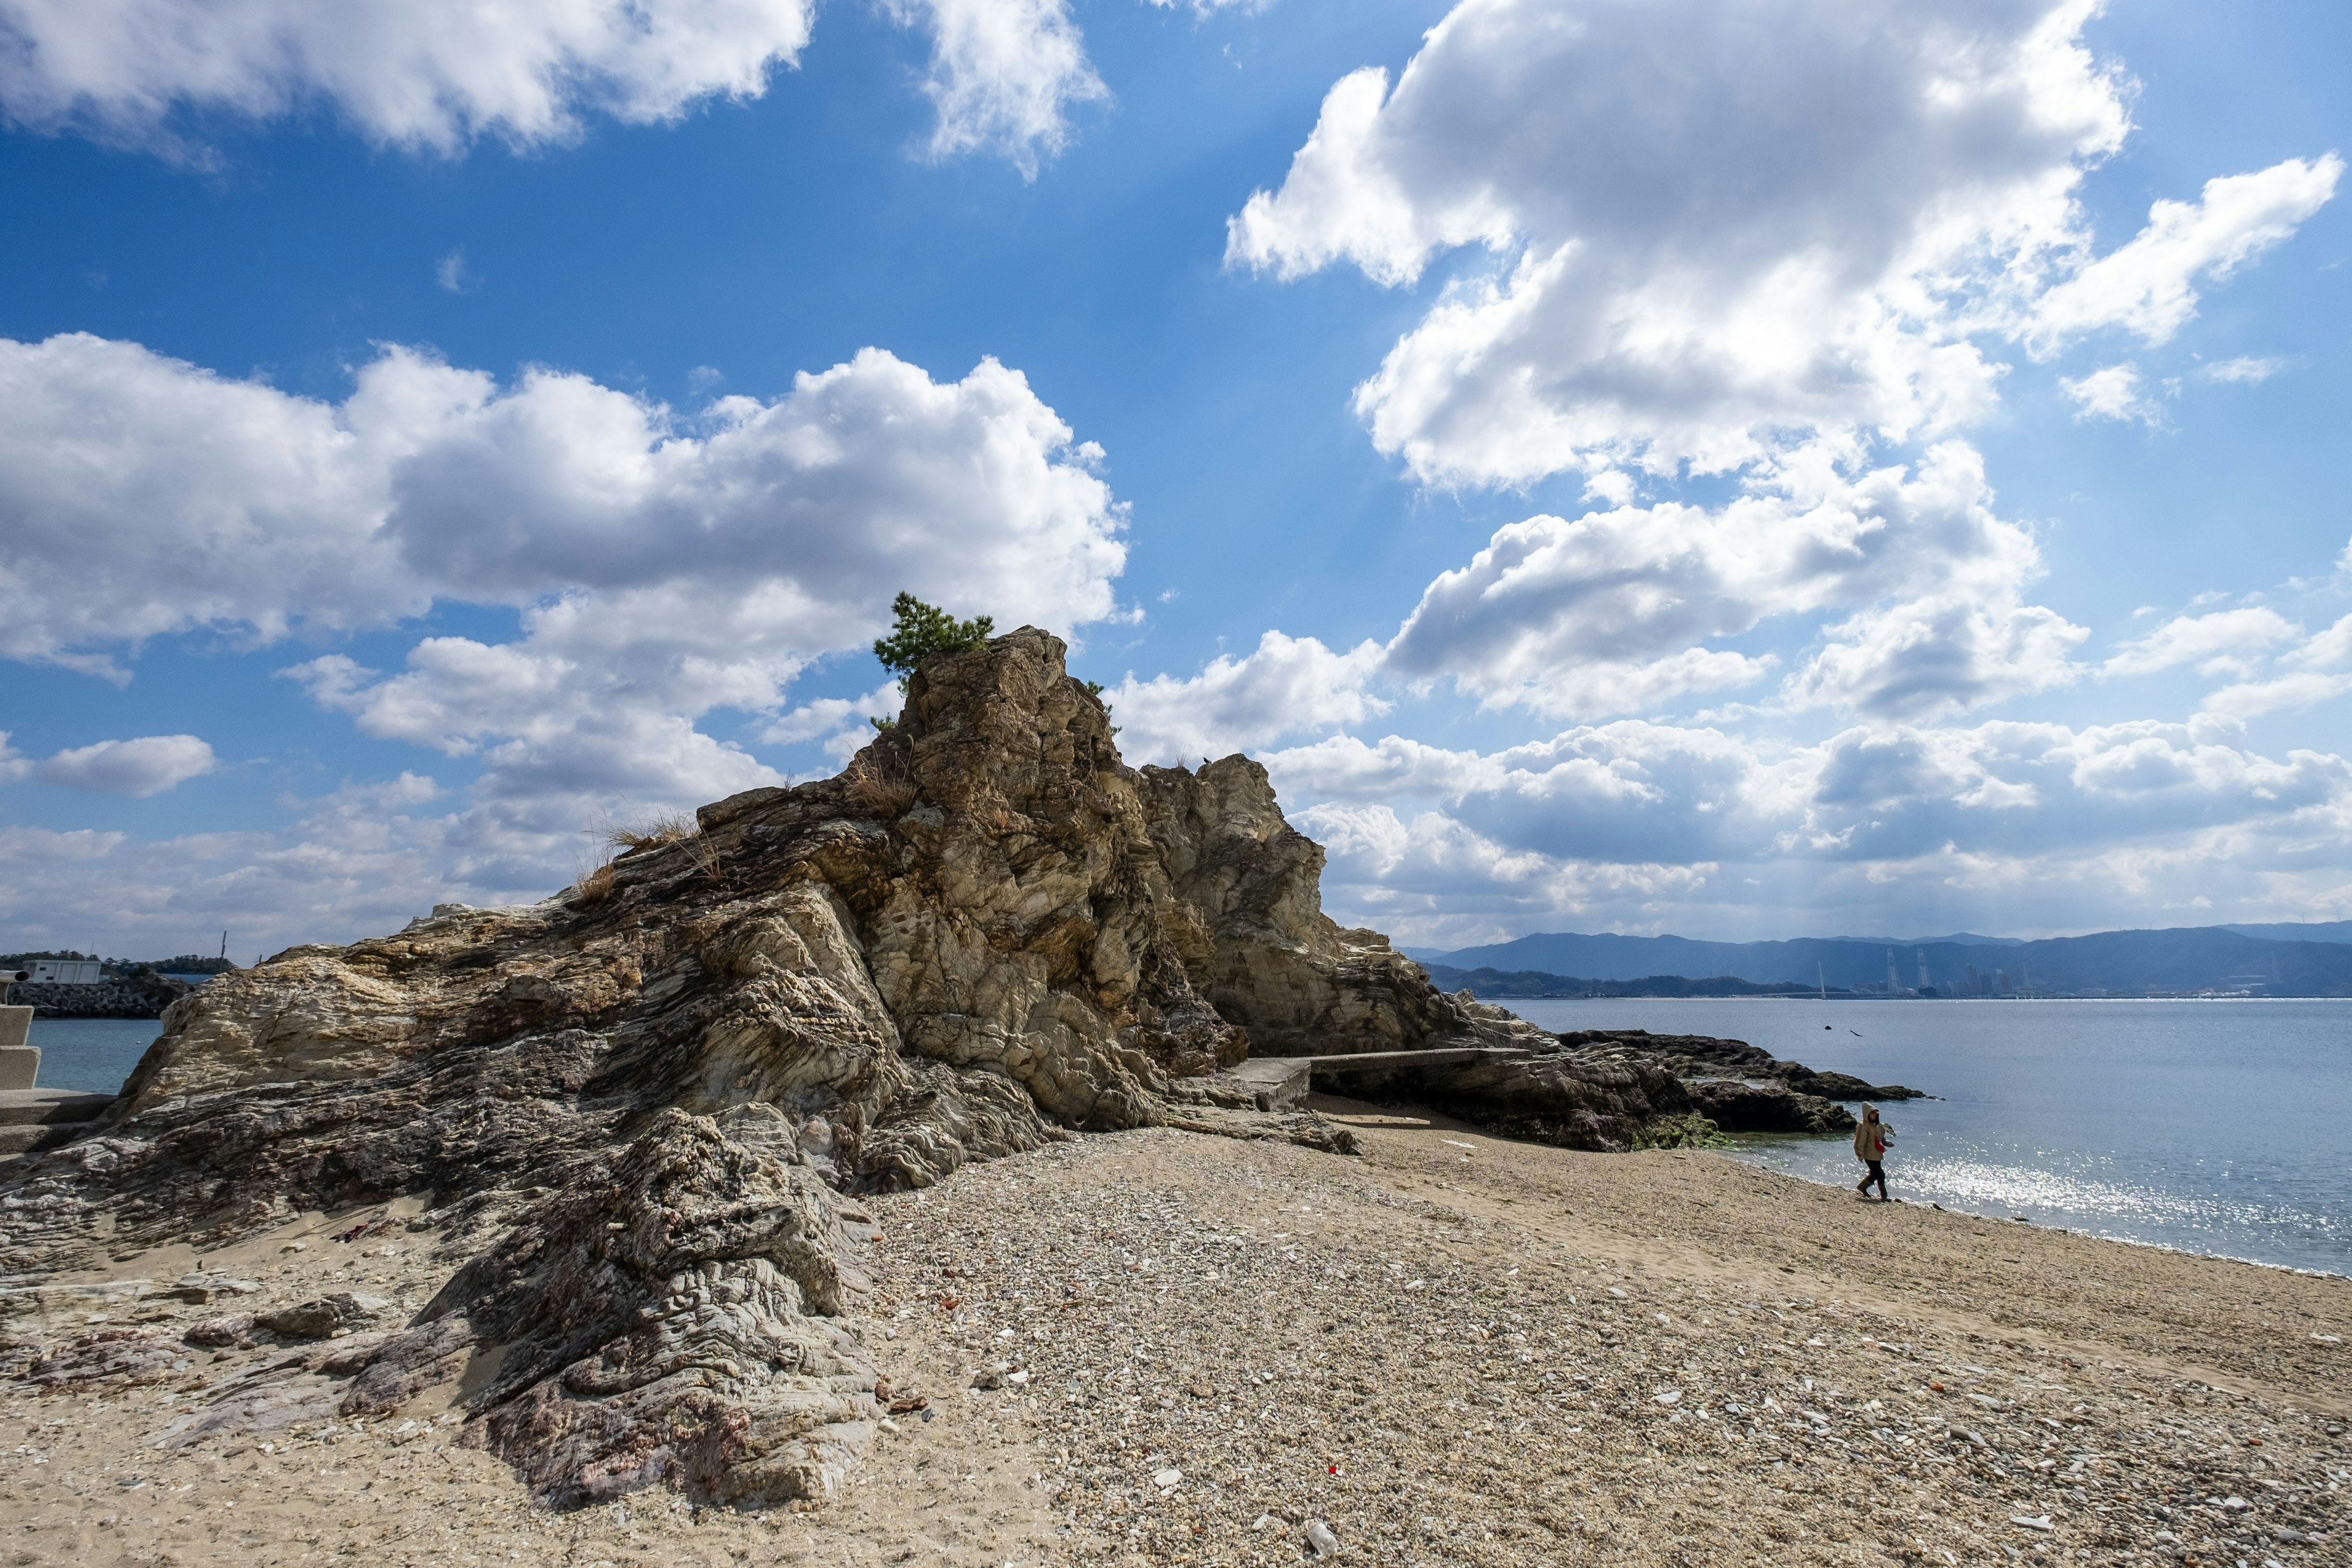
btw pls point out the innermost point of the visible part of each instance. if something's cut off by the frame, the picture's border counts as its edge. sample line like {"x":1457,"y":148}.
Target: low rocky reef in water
{"x":640,"y":1109}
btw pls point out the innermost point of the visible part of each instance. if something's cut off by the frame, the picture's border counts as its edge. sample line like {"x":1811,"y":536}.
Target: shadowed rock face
{"x":648,"y":1092}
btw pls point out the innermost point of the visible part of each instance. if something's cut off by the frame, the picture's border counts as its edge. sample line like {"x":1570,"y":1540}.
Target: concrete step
{"x":1282,"y":1083}
{"x":1389,"y":1061}
{"x":49,"y":1107}
{"x":31,"y":1138}
{"x":1275,"y":1083}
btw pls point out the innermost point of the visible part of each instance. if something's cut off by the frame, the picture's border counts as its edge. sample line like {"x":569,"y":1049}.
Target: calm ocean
{"x":2219,"y":1127}
{"x":2215,"y":1126}
{"x":91,"y":1054}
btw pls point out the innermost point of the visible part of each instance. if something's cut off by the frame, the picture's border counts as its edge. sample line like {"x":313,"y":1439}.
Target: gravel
{"x":1396,"y":1360}
{"x":1160,"y":1347}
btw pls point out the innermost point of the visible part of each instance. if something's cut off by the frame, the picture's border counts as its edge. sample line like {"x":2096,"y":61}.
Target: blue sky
{"x":1735,"y":468}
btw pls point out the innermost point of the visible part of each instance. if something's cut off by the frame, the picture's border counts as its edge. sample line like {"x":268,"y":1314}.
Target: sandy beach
{"x":1158,"y":1347}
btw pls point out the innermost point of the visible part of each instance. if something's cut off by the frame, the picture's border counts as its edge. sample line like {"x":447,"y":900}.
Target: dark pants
{"x":1877,"y":1173}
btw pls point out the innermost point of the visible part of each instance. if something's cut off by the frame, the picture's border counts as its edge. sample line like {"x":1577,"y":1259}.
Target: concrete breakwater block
{"x":1275,"y":1083}
{"x":20,"y":1064}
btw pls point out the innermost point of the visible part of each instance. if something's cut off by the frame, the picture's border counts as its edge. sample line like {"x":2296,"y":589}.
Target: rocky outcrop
{"x":987,"y":933}
{"x":1602,"y":1089}
{"x":641,"y":1103}
{"x":1604,"y":1095}
{"x":1256,"y":939}
{"x":1703,"y":1058}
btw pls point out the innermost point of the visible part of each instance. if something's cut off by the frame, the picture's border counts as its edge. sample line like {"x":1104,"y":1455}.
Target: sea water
{"x":94,"y":1055}
{"x":2214,"y":1127}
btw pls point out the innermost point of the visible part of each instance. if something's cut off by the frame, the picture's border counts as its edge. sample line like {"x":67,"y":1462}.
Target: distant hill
{"x":2312,"y":930}
{"x":1957,"y":939}
{"x":1494,"y":983}
{"x":2186,"y":959}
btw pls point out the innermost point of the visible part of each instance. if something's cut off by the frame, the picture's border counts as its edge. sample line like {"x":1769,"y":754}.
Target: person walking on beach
{"x":1871,"y":1137}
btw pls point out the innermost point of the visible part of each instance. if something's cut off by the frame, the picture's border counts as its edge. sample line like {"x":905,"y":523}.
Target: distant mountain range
{"x":2284,"y":960}
{"x":1495,"y":983}
{"x":1962,"y":938}
{"x":2313,"y":930}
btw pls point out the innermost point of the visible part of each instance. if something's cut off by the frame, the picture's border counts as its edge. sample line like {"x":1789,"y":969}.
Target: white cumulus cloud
{"x":1004,"y":75}
{"x":359,"y":861}
{"x":663,"y":564}
{"x":2218,"y":643}
{"x":1285,"y":686}
{"x":146,"y":766}
{"x":2319,"y":672}
{"x":436,"y":76}
{"x":2245,"y":370}
{"x":422,"y":74}
{"x":1644,"y":825}
{"x":1614,"y":612}
{"x":840,"y":725}
{"x":1710,"y":229}
{"x":2114,"y":393}
{"x":1941,"y":653}
{"x":1708,"y":221}
{"x":2147,"y":286}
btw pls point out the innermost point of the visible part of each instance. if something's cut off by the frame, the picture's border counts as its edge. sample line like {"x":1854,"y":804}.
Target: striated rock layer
{"x":646,"y":1099}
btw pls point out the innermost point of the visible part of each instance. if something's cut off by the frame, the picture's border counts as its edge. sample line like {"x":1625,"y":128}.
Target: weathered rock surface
{"x":322,"y":1319}
{"x":638,"y":1104}
{"x":1601,"y":1091}
{"x":1707,"y":1058}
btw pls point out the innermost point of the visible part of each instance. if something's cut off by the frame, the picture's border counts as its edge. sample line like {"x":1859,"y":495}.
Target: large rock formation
{"x":639,"y":1102}
{"x":986,"y":933}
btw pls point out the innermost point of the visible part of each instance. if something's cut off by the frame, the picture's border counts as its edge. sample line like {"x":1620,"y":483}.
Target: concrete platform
{"x":48,"y":1107}
{"x":32,"y":1120}
{"x":1282,"y":1083}
{"x":20,"y":1140}
{"x":1389,"y":1061}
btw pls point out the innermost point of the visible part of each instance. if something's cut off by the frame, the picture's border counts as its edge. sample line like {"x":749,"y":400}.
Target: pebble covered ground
{"x":1461,"y":1351}
{"x":1155,"y":1347}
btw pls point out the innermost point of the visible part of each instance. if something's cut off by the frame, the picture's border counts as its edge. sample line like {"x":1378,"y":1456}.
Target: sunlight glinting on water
{"x":2210,"y":1127}
{"x":2017,"y":1187}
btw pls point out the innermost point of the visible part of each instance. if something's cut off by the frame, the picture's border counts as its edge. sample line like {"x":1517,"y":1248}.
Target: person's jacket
{"x":1870,"y":1139}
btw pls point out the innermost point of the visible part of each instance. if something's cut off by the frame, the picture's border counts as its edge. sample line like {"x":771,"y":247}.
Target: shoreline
{"x":2086,"y":1233}
{"x":1745,"y":1142}
{"x":1450,"y":1348}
